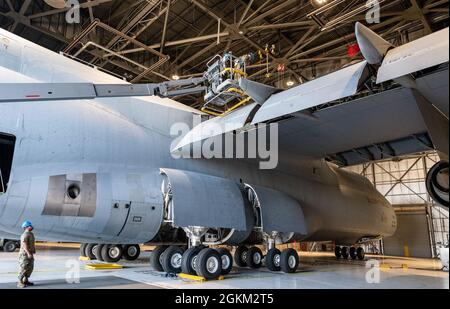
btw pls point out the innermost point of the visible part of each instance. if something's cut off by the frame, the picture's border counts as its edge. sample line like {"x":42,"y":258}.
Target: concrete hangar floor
{"x":56,"y":264}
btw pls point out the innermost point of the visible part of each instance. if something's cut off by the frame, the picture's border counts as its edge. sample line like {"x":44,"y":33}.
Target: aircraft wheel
{"x":209,"y":264}
{"x":254,"y":258}
{"x":90,"y":251}
{"x":289,"y":261}
{"x":353,"y":254}
{"x":155,"y":258}
{"x":189,"y":260}
{"x":83,"y":250}
{"x":360,"y":253}
{"x":345,"y":253}
{"x":273,"y":259}
{"x":240,"y":256}
{"x":98,"y":252}
{"x":338,"y":252}
{"x":131,"y":252}
{"x":227,"y":260}
{"x":9,"y":246}
{"x":111,"y":253}
{"x":171,"y":259}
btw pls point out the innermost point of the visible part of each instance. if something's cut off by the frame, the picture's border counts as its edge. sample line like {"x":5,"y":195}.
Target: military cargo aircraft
{"x":90,"y":164}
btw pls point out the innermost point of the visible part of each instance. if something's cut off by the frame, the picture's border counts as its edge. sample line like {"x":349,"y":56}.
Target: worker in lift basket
{"x":26,"y":255}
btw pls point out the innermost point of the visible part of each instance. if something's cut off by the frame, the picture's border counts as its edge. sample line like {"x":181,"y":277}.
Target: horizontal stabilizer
{"x":334,"y":86}
{"x":418,"y":55}
{"x":373,"y":47}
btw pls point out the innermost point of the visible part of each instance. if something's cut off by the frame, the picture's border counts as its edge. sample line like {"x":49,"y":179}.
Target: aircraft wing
{"x":331,"y":117}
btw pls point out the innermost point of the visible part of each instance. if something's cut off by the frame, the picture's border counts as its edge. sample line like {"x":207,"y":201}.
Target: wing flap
{"x":334,"y":86}
{"x":217,"y":126}
{"x":426,"y":52}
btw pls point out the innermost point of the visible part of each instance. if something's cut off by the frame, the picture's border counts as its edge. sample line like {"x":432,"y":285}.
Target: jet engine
{"x":438,"y":183}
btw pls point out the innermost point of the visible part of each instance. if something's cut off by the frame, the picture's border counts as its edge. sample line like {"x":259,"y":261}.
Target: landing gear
{"x":352,"y":252}
{"x":254,"y":258}
{"x":209,"y":264}
{"x":155,"y":258}
{"x":289,"y":261}
{"x":90,"y":251}
{"x":98,"y":252}
{"x":111,"y":253}
{"x":338,"y":252}
{"x":131,"y":252}
{"x":171,"y":259}
{"x":273,"y":259}
{"x":227,"y":260}
{"x":189,"y":260}
{"x":345,"y":253}
{"x":83,"y":250}
{"x":9,"y":246}
{"x":360,"y":253}
{"x":240,"y":256}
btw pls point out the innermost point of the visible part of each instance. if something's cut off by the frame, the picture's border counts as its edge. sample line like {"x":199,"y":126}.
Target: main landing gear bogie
{"x":286,"y":261}
{"x":354,"y":253}
{"x":110,"y":253}
{"x":198,"y":261}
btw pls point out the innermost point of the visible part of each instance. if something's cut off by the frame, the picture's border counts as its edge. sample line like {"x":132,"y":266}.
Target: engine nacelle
{"x":438,"y":183}
{"x":213,"y":210}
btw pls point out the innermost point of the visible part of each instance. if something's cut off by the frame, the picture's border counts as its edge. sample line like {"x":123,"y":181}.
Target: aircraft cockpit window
{"x":7,"y":144}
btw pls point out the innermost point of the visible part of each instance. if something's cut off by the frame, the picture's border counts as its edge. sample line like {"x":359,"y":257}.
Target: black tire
{"x":131,"y":252}
{"x":189,"y":259}
{"x":9,"y":246}
{"x":273,"y":259}
{"x":111,"y":253}
{"x":155,"y":258}
{"x":361,"y":254}
{"x":345,"y":253}
{"x":90,"y":251}
{"x":227,"y":260}
{"x":289,"y":261}
{"x":98,"y":252}
{"x":83,"y":250}
{"x":353,"y":254}
{"x":240,"y":256}
{"x":209,"y":264}
{"x":171,"y":259}
{"x":254,"y":258}
{"x":338,"y":252}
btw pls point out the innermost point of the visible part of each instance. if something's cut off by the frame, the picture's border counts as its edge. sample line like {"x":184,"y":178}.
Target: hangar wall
{"x":412,"y":237}
{"x":423,"y":225}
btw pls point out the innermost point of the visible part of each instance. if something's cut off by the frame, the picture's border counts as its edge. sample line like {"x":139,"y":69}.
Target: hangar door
{"x":412,"y":234}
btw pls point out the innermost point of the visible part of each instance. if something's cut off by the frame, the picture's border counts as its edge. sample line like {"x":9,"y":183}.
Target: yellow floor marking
{"x":197,"y":278}
{"x":84,"y":258}
{"x":103,"y":266}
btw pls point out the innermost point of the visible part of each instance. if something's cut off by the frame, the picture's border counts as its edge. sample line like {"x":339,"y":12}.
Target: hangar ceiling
{"x":155,"y":40}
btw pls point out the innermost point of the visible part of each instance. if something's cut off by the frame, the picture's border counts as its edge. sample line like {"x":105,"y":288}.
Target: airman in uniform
{"x":26,"y":255}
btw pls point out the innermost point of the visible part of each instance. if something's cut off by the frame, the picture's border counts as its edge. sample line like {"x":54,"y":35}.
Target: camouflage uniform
{"x":26,"y":264}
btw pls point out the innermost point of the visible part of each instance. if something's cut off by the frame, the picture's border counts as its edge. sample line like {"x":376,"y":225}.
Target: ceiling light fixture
{"x":318,"y":3}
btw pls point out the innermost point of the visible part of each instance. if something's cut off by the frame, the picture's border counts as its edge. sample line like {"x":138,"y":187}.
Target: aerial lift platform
{"x":221,"y":85}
